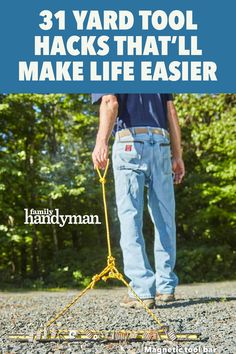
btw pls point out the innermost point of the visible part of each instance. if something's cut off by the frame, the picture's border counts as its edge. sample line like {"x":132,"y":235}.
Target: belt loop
{"x":133,"y":131}
{"x":118,"y":136}
{"x":163,"y":132}
{"x":150,"y":134}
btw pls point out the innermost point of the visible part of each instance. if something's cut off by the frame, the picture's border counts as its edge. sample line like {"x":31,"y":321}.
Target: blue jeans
{"x":145,"y":160}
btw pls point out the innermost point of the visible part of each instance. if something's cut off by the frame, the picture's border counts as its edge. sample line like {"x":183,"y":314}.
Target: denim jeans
{"x":141,"y":160}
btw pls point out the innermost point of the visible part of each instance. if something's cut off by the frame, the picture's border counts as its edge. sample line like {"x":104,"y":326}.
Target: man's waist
{"x":142,"y":130}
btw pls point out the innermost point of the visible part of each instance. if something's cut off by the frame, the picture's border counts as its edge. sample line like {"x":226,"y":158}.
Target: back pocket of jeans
{"x":128,"y":154}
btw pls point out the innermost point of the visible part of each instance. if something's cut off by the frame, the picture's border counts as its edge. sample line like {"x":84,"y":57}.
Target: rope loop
{"x":102,"y":177}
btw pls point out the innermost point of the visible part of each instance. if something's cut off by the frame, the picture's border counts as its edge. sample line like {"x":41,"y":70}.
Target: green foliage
{"x":209,"y":191}
{"x":206,"y":263}
{"x":45,"y":162}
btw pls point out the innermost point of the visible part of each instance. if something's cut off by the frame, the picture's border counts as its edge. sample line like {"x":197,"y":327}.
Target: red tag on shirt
{"x":128,"y":147}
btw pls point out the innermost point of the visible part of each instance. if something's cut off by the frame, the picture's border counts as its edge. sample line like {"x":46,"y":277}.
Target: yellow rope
{"x":156,"y":319}
{"x":102,"y":180}
{"x":68,"y":306}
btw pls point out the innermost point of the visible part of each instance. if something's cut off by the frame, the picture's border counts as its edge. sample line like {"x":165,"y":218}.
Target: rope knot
{"x":102,"y":180}
{"x":110,"y":260}
{"x":95,"y":279}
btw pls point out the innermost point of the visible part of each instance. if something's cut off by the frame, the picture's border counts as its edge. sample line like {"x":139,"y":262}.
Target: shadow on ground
{"x":196,"y":301}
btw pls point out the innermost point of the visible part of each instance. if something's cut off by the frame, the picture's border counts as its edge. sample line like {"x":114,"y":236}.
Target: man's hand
{"x":178,"y":169}
{"x":100,"y":154}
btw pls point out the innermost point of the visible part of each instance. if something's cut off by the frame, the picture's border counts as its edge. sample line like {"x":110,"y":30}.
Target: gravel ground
{"x":205,"y":308}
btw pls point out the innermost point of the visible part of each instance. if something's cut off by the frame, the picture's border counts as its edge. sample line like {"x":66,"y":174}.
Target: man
{"x":145,"y":126}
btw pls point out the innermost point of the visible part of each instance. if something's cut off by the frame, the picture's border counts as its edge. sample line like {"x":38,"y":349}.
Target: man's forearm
{"x":175,"y":140}
{"x":107,"y":116}
{"x":174,"y":129}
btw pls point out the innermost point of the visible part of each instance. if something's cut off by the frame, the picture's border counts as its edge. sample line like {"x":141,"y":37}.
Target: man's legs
{"x":161,"y":205}
{"x":129,"y":186}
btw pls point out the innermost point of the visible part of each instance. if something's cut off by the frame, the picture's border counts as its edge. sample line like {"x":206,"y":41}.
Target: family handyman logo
{"x":53,"y":216}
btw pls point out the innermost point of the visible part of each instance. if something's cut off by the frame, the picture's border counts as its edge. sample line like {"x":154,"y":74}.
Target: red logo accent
{"x":128,"y":147}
